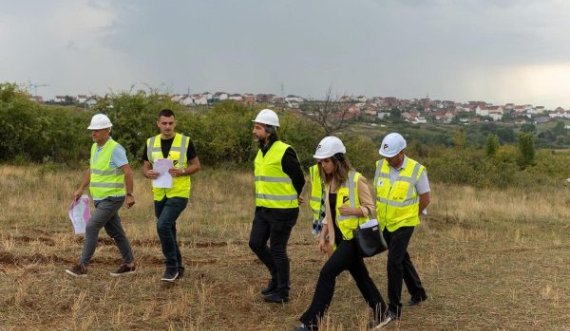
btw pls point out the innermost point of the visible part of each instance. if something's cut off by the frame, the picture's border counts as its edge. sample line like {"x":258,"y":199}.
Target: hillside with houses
{"x":415,"y":111}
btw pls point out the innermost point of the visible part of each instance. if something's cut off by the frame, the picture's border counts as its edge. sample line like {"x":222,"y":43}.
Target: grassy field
{"x":489,"y":259}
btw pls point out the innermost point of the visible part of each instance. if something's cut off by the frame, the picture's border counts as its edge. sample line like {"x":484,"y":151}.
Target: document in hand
{"x":164,"y":179}
{"x":79,"y":214}
{"x":371,"y":223}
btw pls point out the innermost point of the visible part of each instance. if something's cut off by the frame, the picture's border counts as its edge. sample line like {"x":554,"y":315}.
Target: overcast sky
{"x":494,"y":50}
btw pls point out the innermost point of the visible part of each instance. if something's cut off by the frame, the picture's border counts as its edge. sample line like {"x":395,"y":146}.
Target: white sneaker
{"x":388,"y":318}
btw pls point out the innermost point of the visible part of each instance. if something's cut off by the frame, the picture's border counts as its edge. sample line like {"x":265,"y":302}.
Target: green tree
{"x":492,"y":145}
{"x":559,"y":129}
{"x":396,"y":115}
{"x":506,"y":135}
{"x":526,"y":149}
{"x":527,"y":127}
{"x":460,"y":139}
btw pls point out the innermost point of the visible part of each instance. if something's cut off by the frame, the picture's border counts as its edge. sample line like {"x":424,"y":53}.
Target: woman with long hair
{"x":348,"y":203}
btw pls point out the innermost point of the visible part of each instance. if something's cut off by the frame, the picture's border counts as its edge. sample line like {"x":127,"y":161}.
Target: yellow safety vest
{"x":273,"y":187}
{"x":347,"y":194}
{"x":316,"y":192}
{"x":398,"y":203}
{"x":180,"y":185}
{"x":104,"y":180}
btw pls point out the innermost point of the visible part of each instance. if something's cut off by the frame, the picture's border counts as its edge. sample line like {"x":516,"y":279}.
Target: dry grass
{"x":490,"y":260}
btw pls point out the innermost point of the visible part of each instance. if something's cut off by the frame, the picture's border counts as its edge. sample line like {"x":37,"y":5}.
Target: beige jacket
{"x":367,"y":205}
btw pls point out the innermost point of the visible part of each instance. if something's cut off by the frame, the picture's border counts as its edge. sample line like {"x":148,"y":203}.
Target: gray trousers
{"x":106,"y":215}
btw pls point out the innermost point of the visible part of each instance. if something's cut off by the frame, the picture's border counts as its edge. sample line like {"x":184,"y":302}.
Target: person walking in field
{"x":402,"y":194}
{"x":170,"y":202}
{"x":348,"y":203}
{"x":317,"y":199}
{"x":279,"y":182}
{"x":110,"y":181}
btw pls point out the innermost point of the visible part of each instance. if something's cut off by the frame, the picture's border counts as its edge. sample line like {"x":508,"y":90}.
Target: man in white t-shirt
{"x":402,"y":195}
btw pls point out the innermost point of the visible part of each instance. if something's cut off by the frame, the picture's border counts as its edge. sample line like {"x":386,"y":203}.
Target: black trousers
{"x":400,"y":268}
{"x":345,"y":257}
{"x":274,"y":226}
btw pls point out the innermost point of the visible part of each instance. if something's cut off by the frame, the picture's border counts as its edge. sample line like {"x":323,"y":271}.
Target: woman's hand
{"x":326,"y":247}
{"x":349,"y":211}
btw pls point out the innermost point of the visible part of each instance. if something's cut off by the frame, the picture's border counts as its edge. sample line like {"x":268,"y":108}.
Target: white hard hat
{"x":99,"y":121}
{"x":392,"y":144}
{"x":328,"y":147}
{"x":267,"y":116}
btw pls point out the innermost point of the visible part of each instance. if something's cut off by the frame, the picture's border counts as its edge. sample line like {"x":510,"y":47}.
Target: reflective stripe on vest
{"x":316,"y":201}
{"x":105,"y":181}
{"x":397,"y":204}
{"x":348,"y":190}
{"x":181,"y":186}
{"x":273,"y":187}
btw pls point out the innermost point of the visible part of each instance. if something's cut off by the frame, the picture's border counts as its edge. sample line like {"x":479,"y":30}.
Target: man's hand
{"x":151,"y":174}
{"x":176,"y":172}
{"x":77,"y":194}
{"x":301,"y":200}
{"x":129,"y":201}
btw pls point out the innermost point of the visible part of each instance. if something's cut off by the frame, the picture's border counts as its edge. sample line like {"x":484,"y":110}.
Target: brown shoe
{"x":78,"y":270}
{"x":123,"y":270}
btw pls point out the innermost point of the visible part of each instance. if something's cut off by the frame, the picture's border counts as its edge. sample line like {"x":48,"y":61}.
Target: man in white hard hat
{"x":279,"y":181}
{"x":402,"y":194}
{"x":110,"y":181}
{"x":170,"y":202}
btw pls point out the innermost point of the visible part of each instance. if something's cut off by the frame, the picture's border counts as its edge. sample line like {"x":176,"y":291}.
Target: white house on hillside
{"x":186,"y":100}
{"x":200,"y":100}
{"x":481,"y":111}
{"x":220,"y":96}
{"x":235,"y":97}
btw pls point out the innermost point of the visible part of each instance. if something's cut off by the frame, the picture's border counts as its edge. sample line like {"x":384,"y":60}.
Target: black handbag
{"x":370,"y":240}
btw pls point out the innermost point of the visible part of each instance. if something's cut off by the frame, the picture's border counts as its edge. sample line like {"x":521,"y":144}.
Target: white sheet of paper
{"x":79,"y":214}
{"x":373,"y":222}
{"x":164,"y":179}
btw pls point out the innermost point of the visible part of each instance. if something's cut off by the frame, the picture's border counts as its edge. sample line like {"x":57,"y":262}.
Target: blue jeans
{"x":106,"y":215}
{"x":167,"y":211}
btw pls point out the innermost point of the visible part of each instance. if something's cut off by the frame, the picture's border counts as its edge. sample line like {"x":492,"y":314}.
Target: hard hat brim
{"x":95,"y":127}
{"x":320,"y":157}
{"x":265,"y":123}
{"x":388,"y":154}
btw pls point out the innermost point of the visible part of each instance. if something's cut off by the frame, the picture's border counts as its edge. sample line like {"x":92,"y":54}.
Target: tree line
{"x":36,"y":133}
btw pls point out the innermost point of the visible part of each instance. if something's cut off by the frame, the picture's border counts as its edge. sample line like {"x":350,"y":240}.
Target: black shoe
{"x":170,"y":275}
{"x":414,"y":301}
{"x":124,"y":269}
{"x":181,"y":270}
{"x":271,"y":287}
{"x":305,"y":327}
{"x":78,"y":270}
{"x":275,"y":297}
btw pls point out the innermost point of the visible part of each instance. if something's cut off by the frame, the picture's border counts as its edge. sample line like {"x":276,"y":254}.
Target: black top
{"x":332,"y":204}
{"x":165,"y":145}
{"x":291,"y":166}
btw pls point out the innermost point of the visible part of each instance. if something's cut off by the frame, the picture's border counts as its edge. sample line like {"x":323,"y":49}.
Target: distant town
{"x":416,"y":111}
